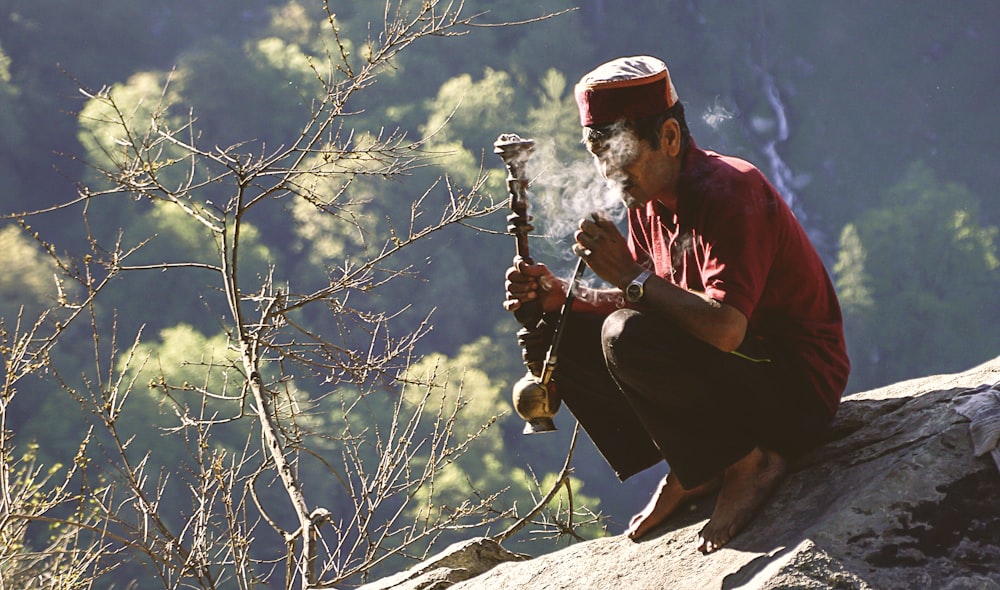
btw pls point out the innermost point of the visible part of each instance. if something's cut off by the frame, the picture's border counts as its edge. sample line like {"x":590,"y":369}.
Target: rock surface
{"x":460,"y":561}
{"x":895,"y":499}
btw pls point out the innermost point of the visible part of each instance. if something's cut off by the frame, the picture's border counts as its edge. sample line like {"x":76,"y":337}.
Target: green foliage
{"x":866,"y":89}
{"x":183,"y":373}
{"x":27,"y":285}
{"x":459,"y":381}
{"x":463,"y":118}
{"x":181,"y":240}
{"x":854,"y":280}
{"x":103,"y":137}
{"x":227,"y":85}
{"x":547,"y":119}
{"x":915,"y":277}
{"x":101,"y":127}
{"x":60,"y":557}
{"x":457,"y":384}
{"x":323,"y":240}
{"x":463,"y":381}
{"x":303,"y":24}
{"x":163,"y":231}
{"x":183,"y":357}
{"x":12,"y":127}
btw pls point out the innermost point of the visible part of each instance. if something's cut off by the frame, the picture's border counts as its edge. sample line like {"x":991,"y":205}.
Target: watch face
{"x":633,"y":292}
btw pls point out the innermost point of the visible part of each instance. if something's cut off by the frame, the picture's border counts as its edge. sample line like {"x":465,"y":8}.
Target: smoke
{"x":716,"y":115}
{"x":564,"y":193}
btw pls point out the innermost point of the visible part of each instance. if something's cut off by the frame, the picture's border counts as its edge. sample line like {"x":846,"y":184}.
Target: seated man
{"x":721,"y":348}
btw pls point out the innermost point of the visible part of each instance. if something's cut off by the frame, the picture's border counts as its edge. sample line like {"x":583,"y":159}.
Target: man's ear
{"x":670,"y":137}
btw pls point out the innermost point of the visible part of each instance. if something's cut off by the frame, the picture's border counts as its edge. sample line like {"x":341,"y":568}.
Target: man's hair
{"x":645,"y":128}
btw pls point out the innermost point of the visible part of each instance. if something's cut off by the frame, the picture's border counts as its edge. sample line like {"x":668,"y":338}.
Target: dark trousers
{"x":646,"y":391}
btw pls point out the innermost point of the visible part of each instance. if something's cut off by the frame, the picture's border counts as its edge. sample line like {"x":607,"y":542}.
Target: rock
{"x":460,"y":561}
{"x":982,"y":408}
{"x":895,"y":499}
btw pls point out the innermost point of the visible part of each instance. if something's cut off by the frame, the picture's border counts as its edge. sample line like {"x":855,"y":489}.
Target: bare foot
{"x":745,"y":486}
{"x":665,"y":501}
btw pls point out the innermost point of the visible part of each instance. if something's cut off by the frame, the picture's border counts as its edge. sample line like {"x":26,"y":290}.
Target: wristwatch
{"x":634,"y":290}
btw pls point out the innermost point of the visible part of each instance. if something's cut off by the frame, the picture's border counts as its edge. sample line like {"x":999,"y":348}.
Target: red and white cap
{"x":625,"y":88}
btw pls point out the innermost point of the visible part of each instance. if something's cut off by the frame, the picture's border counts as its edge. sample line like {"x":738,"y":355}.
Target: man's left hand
{"x":605,"y":250}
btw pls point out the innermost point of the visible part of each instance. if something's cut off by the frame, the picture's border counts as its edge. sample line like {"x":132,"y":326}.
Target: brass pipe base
{"x":539,"y":426}
{"x":535,"y":402}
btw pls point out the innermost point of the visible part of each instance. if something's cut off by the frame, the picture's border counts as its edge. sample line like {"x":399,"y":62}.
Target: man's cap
{"x":625,"y":88}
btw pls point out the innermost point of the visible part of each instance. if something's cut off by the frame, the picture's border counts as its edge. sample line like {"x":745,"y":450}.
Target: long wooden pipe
{"x":535,"y":397}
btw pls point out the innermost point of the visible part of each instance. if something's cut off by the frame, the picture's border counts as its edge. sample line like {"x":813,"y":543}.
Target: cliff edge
{"x":897,"y":498}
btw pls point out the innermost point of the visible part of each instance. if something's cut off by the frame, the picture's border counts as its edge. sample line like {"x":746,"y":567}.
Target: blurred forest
{"x":872,"y":118}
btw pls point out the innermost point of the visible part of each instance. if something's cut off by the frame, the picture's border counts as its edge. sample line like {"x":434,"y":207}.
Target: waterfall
{"x":778,"y":171}
{"x":781,"y":174}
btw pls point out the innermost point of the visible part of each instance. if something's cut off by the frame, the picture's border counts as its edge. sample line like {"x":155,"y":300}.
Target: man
{"x":720,"y":348}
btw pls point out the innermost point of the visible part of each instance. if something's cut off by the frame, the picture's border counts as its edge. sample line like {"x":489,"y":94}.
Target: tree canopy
{"x":290,"y":142}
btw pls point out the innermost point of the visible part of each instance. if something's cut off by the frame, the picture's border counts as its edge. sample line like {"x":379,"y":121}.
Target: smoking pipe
{"x":535,"y":396}
{"x":515,"y":152}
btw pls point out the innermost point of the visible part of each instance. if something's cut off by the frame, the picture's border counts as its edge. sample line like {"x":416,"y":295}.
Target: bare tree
{"x":30,"y":492}
{"x":260,"y":387}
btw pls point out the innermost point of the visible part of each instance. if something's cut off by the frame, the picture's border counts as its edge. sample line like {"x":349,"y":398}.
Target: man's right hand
{"x":528,"y":282}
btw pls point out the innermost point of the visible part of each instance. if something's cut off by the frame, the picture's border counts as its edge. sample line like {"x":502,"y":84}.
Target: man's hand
{"x":528,"y":282}
{"x":599,"y":242}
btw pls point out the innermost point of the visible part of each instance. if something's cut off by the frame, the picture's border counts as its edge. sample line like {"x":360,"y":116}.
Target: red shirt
{"x":734,"y":238}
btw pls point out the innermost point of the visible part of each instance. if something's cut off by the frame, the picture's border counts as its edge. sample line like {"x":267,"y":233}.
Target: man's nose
{"x":609,"y":170}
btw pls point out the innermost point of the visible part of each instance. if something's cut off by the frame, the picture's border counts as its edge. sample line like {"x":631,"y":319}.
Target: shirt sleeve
{"x":741,"y":237}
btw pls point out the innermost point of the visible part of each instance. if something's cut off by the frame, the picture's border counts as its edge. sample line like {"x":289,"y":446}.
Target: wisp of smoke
{"x":716,"y":115}
{"x":565,"y":193}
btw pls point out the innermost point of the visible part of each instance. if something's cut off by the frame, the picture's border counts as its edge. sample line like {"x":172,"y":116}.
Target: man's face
{"x":630,"y":166}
